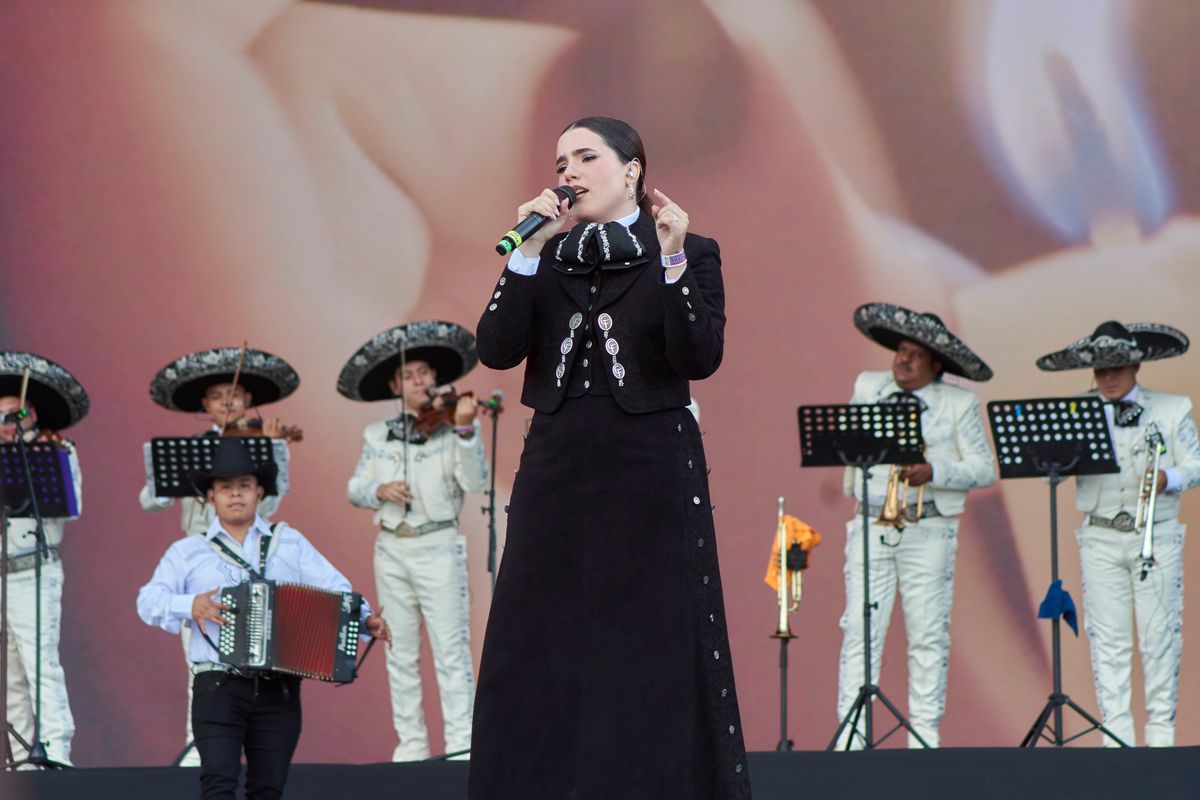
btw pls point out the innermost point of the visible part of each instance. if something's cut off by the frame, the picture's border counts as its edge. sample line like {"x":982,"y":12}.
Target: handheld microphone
{"x":526,"y":227}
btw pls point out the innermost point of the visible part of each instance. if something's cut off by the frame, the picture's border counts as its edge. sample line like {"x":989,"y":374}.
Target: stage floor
{"x":973,"y":774}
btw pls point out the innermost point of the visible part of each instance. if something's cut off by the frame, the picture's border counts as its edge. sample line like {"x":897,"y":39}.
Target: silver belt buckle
{"x":1123,"y":522}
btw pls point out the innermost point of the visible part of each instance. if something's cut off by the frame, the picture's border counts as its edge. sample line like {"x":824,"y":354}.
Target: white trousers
{"x":57,"y":726}
{"x":921,"y":567}
{"x":1114,"y":597}
{"x":425,"y":578}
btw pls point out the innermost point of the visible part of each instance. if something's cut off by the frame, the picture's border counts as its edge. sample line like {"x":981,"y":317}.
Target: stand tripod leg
{"x":1095,"y":723}
{"x":850,"y":721}
{"x":1039,"y":725}
{"x":187,"y":748}
{"x":902,"y":720}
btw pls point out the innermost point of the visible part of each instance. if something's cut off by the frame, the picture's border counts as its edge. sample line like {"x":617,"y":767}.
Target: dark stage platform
{"x":975,"y":774}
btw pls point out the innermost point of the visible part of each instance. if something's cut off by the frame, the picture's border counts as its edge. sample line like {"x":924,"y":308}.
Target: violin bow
{"x":237,"y":374}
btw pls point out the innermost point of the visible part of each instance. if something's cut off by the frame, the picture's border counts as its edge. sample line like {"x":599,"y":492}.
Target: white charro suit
{"x":424,"y":578}
{"x":921,"y":566}
{"x":1113,"y":593}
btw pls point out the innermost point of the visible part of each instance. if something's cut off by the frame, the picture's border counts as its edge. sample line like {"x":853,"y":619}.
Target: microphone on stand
{"x":16,"y":416}
{"x":494,"y":403}
{"x":526,"y":227}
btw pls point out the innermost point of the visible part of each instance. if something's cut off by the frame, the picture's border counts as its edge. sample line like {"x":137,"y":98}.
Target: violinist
{"x":413,"y":473}
{"x":224,"y":385}
{"x":52,"y":400}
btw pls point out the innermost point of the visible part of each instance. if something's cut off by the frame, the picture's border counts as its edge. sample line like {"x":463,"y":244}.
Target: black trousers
{"x":258,"y":715}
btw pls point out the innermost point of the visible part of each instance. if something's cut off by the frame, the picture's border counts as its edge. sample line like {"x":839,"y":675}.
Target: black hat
{"x":231,"y":460}
{"x":59,"y":399}
{"x":448,"y":348}
{"x":1115,"y":345}
{"x":889,"y":324}
{"x":180,"y":386}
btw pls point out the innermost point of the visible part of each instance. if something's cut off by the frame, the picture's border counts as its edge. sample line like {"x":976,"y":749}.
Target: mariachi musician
{"x":222,"y":384}
{"x":1132,"y":568}
{"x":255,"y":715}
{"x":913,"y":543}
{"x":413,"y":473}
{"x":47,"y":399}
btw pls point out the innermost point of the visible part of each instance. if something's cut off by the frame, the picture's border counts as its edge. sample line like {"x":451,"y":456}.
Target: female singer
{"x":606,"y":669}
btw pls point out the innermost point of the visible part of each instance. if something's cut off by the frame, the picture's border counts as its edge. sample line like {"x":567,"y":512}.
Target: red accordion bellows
{"x":306,"y":621}
{"x":291,"y":628}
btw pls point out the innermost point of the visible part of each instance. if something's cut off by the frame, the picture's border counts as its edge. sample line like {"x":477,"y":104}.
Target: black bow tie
{"x":610,"y":246}
{"x":1126,"y":413}
{"x":906,"y":397}
{"x":398,"y":427}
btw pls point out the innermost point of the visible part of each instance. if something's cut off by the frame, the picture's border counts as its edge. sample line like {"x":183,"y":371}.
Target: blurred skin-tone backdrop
{"x":178,"y":175}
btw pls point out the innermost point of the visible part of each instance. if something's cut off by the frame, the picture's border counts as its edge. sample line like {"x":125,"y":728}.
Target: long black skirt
{"x":606,"y":669}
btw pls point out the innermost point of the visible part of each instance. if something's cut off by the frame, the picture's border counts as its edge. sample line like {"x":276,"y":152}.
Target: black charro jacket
{"x":666,"y":334}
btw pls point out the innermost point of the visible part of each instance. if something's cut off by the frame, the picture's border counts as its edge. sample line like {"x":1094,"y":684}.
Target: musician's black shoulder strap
{"x":266,"y":547}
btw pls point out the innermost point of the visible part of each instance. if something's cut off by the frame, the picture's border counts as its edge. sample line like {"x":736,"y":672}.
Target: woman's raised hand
{"x":670,"y":223}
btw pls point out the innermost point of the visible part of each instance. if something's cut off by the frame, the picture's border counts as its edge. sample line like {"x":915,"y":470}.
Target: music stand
{"x":35,"y":480}
{"x":863,"y":436}
{"x":1054,"y":437}
{"x":173,"y":459}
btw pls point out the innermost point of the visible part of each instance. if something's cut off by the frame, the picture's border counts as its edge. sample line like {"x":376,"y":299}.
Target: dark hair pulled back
{"x":625,"y":142}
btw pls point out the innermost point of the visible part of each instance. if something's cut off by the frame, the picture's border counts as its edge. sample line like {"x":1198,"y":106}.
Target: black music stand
{"x":1053,"y":437}
{"x":35,"y":480}
{"x":863,"y":436}
{"x":172,"y":460}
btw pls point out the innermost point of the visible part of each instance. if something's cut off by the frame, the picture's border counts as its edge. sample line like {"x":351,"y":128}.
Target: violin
{"x":248,"y":427}
{"x":438,"y":412}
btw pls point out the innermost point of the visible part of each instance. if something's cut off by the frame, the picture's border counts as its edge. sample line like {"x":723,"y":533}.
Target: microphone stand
{"x":6,"y":754}
{"x":36,"y":749}
{"x":493,"y":408}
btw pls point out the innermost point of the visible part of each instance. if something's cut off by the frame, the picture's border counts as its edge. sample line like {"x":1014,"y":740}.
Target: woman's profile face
{"x":596,"y":173}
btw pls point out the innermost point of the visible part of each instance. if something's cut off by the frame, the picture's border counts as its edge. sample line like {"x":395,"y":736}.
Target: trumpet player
{"x":1131,"y":540}
{"x":912,"y":546}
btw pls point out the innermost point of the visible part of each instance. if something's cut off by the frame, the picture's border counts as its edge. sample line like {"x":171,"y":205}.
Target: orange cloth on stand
{"x":797,"y":532}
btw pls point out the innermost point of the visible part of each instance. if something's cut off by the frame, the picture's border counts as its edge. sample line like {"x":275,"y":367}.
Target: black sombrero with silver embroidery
{"x":889,"y":324}
{"x":180,"y":385}
{"x":1115,"y":345}
{"x":55,"y":395}
{"x":445,"y":346}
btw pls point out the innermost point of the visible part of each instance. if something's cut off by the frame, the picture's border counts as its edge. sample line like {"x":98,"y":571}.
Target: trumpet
{"x":789,"y":581}
{"x":1148,"y":496}
{"x":895,"y":503}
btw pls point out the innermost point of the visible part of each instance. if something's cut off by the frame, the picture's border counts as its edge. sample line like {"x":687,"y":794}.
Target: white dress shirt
{"x":192,"y":566}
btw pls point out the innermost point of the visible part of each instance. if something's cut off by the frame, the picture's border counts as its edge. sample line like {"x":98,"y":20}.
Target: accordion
{"x":290,"y":628}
